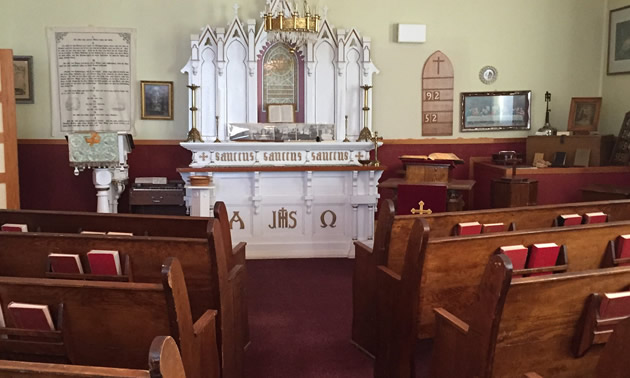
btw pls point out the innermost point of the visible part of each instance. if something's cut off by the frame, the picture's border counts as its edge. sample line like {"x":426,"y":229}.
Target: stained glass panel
{"x":280,"y":76}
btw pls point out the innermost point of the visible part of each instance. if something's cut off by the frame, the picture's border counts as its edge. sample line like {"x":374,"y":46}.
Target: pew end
{"x":165,"y":360}
{"x":450,"y":335}
{"x":205,"y":331}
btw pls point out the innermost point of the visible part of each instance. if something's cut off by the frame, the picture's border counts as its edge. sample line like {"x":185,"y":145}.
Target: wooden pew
{"x":396,"y":313}
{"x":453,"y":266}
{"x":534,"y":331}
{"x":148,"y":225}
{"x":111,"y":324}
{"x":209,"y":283}
{"x":164,"y":361}
{"x":524,"y":218}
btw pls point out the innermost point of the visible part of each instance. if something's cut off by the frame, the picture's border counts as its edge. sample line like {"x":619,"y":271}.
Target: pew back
{"x":164,"y":361}
{"x":26,"y":255}
{"x":540,"y":318}
{"x":525,"y":218}
{"x":139,"y":224}
{"x":453,"y":266}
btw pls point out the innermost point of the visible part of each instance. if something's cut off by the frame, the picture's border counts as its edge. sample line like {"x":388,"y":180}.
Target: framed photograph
{"x":619,"y":41}
{"x":281,"y":113}
{"x":584,"y":113}
{"x":23,"y":79}
{"x":156,"y":99}
{"x":482,"y":111}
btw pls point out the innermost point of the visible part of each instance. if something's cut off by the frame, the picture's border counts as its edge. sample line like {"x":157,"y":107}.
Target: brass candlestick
{"x":194,"y":135}
{"x":375,"y":140}
{"x":365,"y":134}
{"x":346,"y":138}
{"x":217,"y":132}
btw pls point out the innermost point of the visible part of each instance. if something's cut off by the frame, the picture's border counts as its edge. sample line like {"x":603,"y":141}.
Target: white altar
{"x":285,"y":199}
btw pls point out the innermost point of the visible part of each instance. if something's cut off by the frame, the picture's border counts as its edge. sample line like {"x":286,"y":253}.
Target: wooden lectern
{"x":513,"y":191}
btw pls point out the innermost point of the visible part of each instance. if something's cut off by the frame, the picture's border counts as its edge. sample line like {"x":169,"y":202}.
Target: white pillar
{"x":102,"y":178}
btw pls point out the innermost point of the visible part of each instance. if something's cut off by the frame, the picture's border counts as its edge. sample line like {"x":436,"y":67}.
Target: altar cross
{"x":438,"y":61}
{"x":421,"y":210}
{"x":204,"y":156}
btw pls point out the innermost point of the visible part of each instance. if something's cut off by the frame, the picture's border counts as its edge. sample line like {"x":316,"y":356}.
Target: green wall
{"x":554,"y":45}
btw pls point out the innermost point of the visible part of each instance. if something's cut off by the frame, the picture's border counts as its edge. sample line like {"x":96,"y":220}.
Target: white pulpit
{"x":106,"y":153}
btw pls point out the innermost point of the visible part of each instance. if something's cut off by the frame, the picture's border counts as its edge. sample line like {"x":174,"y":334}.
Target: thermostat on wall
{"x":412,"y":33}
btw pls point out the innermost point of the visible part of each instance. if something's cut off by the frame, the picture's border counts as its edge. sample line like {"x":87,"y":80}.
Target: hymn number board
{"x":437,"y":95}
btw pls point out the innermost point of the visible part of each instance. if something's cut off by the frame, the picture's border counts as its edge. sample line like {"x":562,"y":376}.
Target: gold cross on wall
{"x":421,"y":210}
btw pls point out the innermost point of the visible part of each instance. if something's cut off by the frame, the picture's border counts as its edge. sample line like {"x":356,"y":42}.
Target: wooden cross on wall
{"x":438,"y":61}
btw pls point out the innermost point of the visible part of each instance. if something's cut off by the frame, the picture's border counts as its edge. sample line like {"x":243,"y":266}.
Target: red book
{"x":517,"y":254}
{"x":104,"y":262}
{"x":468,"y":228}
{"x":569,"y":219}
{"x":14,"y":227}
{"x":92,"y":233}
{"x":65,"y":263}
{"x":31,"y":316}
{"x":543,"y":254}
{"x":492,"y":227}
{"x":615,"y":305}
{"x":597,"y":217}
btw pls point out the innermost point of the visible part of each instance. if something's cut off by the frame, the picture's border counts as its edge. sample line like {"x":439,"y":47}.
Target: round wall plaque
{"x":488,"y":75}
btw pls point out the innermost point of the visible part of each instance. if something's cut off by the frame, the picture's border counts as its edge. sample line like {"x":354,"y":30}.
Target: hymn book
{"x":597,"y":217}
{"x":492,"y":227}
{"x":114,"y":233}
{"x":31,"y":316}
{"x":615,"y":305}
{"x":569,"y":219}
{"x":92,"y":233}
{"x":468,"y":228}
{"x":104,"y":262}
{"x":14,"y":227}
{"x":543,"y":255}
{"x":517,"y":254}
{"x":65,"y":263}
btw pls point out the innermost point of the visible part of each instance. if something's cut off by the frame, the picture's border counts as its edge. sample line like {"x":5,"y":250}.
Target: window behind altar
{"x":281,"y":80}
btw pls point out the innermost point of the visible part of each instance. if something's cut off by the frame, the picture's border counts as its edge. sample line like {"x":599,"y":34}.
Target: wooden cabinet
{"x":600,"y":146}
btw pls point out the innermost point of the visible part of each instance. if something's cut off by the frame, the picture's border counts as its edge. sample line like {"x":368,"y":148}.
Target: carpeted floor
{"x":300,"y":315}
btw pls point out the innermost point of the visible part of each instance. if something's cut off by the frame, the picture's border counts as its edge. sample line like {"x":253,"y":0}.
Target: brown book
{"x":615,"y":305}
{"x":31,"y":316}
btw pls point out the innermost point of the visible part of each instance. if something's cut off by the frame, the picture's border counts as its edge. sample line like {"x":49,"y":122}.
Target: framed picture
{"x":156,"y":99}
{"x":481,"y":111}
{"x":619,"y":41}
{"x":281,"y":113}
{"x":584,"y":113}
{"x":23,"y":79}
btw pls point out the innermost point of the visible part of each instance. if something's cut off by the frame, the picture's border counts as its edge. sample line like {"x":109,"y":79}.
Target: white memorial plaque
{"x":92,"y":75}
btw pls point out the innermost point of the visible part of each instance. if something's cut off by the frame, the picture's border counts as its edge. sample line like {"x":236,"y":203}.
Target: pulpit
{"x":433,"y":171}
{"x":106,"y":153}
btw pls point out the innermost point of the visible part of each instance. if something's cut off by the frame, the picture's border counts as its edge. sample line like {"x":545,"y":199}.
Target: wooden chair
{"x":96,"y":318}
{"x":164,"y":362}
{"x":409,"y":196}
{"x":364,"y":294}
{"x":397,"y":309}
{"x":472,"y":343}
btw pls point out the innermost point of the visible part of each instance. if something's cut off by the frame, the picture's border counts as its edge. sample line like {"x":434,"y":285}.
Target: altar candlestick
{"x":346,"y":138}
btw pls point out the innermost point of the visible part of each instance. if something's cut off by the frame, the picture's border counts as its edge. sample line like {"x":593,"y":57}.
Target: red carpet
{"x":300,"y":315}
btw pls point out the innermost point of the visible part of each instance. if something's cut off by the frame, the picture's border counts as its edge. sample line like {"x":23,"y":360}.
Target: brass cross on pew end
{"x":421,"y":210}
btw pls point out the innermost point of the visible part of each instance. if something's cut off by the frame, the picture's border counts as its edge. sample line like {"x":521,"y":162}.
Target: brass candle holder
{"x":346,"y":138}
{"x":194,"y":135}
{"x":365,"y":134}
{"x":216,"y":140}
